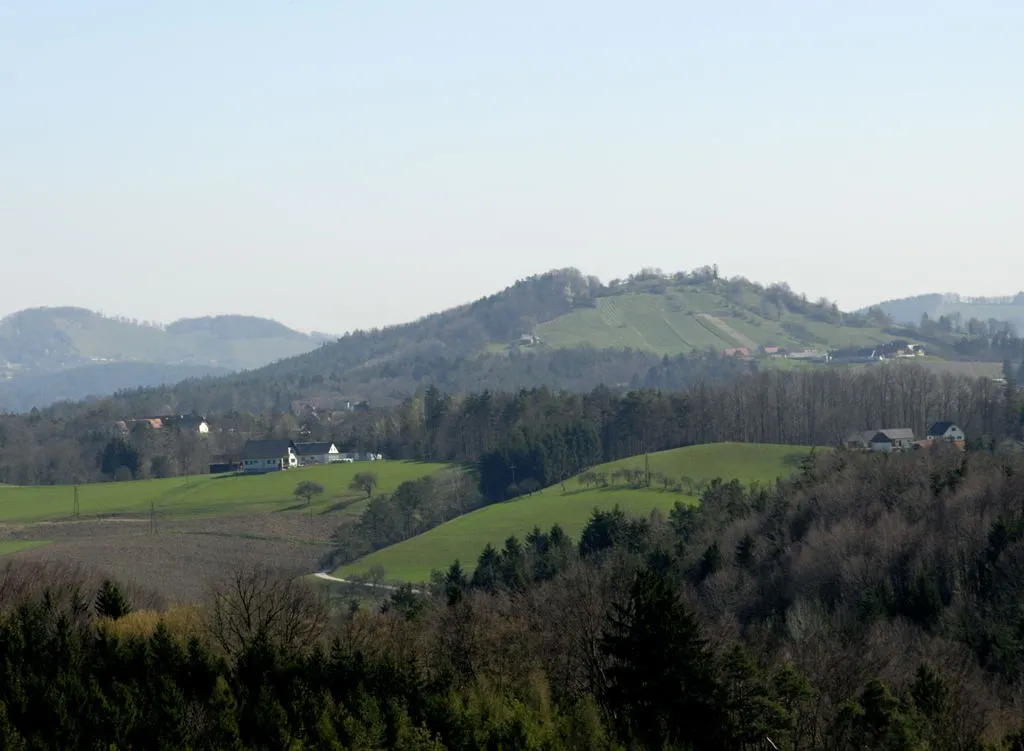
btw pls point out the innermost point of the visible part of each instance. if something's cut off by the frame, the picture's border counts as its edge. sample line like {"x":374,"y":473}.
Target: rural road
{"x":327,"y":577}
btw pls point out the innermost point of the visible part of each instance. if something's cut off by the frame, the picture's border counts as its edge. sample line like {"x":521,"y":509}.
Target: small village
{"x":894,"y":350}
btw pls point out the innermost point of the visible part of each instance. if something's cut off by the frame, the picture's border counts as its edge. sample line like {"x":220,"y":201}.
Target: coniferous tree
{"x":111,"y":602}
{"x":661,"y":676}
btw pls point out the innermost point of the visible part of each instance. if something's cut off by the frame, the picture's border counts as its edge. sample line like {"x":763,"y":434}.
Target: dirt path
{"x":742,"y":340}
{"x":327,"y":577}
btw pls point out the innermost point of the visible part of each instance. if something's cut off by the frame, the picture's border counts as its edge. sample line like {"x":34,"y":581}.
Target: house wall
{"x":262,"y":465}
{"x":270,"y":465}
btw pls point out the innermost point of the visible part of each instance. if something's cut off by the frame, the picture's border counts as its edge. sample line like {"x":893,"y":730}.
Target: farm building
{"x":268,"y":456}
{"x":855,"y":355}
{"x":887,"y":439}
{"x":317,"y":453}
{"x":946,"y":431}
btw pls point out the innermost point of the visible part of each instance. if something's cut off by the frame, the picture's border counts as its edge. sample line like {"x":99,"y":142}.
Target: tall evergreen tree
{"x":661,"y":676}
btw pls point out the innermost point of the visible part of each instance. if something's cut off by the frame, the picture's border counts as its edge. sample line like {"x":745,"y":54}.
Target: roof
{"x":271,"y":449}
{"x":940,"y":428}
{"x":897,"y":434}
{"x":313,"y":449}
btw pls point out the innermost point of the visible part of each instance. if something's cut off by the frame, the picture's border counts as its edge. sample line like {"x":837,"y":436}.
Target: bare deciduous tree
{"x":260,"y":604}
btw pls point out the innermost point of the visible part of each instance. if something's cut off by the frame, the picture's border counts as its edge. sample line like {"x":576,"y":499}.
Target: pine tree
{"x":111,"y":602}
{"x":661,"y":680}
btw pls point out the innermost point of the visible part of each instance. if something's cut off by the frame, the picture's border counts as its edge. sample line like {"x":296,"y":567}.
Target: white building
{"x":268,"y":456}
{"x":317,"y":453}
{"x":946,"y":431}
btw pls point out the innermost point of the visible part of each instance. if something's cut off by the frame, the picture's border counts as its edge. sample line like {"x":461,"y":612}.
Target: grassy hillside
{"x":463,"y":538}
{"x":684,"y":318}
{"x":205,"y":495}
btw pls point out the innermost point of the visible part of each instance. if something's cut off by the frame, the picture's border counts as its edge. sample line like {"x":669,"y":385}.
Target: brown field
{"x":181,"y":558}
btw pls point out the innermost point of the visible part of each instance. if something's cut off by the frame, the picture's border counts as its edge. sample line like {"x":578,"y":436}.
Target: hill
{"x":910,"y":310}
{"x":47,"y":354}
{"x":464,"y":537}
{"x":561,"y":329}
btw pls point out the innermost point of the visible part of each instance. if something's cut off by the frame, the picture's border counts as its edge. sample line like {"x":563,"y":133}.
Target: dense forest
{"x":871,"y":601}
{"x":675,"y":405}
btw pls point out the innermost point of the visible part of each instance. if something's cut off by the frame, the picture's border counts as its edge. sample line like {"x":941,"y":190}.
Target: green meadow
{"x":206,"y":495}
{"x":16,"y":546}
{"x":464,"y":537}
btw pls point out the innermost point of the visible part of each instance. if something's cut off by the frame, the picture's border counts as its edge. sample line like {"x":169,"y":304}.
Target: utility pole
{"x":76,"y":509}
{"x":152,"y":516}
{"x":512,"y":466}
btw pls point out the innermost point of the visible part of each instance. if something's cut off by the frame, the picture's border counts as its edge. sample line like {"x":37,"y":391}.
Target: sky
{"x":336,"y":164}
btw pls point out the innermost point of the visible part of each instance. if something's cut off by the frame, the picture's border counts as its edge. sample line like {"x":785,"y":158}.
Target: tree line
{"x":73,"y":443}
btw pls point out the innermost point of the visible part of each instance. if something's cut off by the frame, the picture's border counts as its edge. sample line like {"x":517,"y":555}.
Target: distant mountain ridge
{"x":49,"y":354}
{"x":910,"y":310}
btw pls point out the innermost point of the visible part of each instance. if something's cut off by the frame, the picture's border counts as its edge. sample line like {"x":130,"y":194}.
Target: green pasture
{"x":464,"y":537}
{"x":16,"y":546}
{"x":206,"y":495}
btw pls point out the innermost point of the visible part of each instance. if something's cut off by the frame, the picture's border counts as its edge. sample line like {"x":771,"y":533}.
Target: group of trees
{"x":870,"y":601}
{"x":539,"y":437}
{"x":414,"y":507}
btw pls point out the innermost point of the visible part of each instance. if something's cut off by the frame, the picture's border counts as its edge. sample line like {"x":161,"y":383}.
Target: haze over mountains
{"x":51,"y":354}
{"x":911,"y":309}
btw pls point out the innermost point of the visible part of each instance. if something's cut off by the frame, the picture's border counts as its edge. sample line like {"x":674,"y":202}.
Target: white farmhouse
{"x":317,"y":453}
{"x":268,"y":456}
{"x":946,"y":431}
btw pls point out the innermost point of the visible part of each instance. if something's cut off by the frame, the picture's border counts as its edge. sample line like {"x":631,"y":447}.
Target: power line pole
{"x":76,"y":509}
{"x":647,"y":466}
{"x":152,"y":516}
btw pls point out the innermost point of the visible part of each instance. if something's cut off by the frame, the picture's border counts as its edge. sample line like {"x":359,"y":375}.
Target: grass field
{"x":205,"y":495}
{"x":463,"y":538}
{"x":687,"y":318}
{"x":16,"y":546}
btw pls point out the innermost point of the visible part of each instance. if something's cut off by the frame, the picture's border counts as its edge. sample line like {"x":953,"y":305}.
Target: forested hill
{"x":566,"y":330}
{"x":47,"y":354}
{"x":561,"y":329}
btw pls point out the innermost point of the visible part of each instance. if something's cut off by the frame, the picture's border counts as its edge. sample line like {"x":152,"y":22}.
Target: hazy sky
{"x":338,"y":164}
